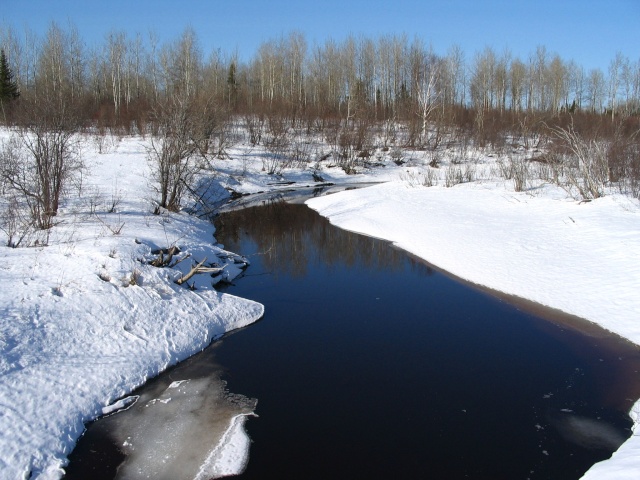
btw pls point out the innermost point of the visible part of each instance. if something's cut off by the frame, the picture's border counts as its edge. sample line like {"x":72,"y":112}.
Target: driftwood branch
{"x":199,"y":268}
{"x":193,"y":271}
{"x":179,"y":260}
{"x":165,"y":256}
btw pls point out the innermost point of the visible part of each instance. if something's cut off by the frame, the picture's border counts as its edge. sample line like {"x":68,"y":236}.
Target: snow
{"x":581,"y":258}
{"x":83,"y":321}
{"x":120,"y":405}
{"x":229,"y":458}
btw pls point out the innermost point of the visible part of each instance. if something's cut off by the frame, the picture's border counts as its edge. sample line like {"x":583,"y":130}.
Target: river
{"x":369,"y":363}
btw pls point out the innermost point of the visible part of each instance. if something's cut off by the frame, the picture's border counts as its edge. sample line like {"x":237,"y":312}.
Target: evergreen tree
{"x":8,"y":86}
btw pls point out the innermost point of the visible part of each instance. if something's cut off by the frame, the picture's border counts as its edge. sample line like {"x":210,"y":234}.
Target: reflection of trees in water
{"x":293,"y":236}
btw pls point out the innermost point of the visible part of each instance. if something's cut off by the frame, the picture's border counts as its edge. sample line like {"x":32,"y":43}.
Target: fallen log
{"x":164,"y":256}
{"x":199,"y":268}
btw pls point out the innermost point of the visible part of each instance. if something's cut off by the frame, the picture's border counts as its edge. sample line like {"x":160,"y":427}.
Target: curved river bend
{"x":370,"y":364}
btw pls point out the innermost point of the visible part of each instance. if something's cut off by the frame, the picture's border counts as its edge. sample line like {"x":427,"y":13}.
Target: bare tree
{"x":43,"y":163}
{"x":517,"y":81}
{"x":53,"y":79}
{"x":116,"y":53}
{"x":576,"y":85}
{"x":585,"y":166}
{"x":426,"y":77}
{"x":482,"y":80}
{"x":500,"y":82}
{"x":173,"y":148}
{"x":181,"y":63}
{"x":539,"y":78}
{"x":596,"y":90}
{"x":616,"y":76}
{"x":558,"y":84}
{"x":452,"y":77}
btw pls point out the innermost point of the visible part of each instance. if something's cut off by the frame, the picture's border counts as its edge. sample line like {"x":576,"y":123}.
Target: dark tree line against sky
{"x":390,"y":77}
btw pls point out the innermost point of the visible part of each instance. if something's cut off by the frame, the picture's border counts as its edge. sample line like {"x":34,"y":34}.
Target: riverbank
{"x":87,"y":319}
{"x":84,"y":320}
{"x":580,"y":258}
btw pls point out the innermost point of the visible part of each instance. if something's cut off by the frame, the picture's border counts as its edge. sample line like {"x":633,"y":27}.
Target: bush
{"x":584,"y":162}
{"x":38,"y":165}
{"x":173,"y":145}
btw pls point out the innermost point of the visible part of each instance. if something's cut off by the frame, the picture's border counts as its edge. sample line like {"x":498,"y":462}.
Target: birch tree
{"x":596,"y":90}
{"x":616,"y":74}
{"x":426,"y":83}
{"x":116,"y":53}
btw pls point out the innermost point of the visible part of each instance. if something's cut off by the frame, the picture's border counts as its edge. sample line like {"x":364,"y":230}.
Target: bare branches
{"x":199,"y":268}
{"x":166,"y":259}
{"x":172,"y":149}
{"x":38,"y":165}
{"x":165,"y":256}
{"x":427,"y":93}
{"x":586,"y":164}
{"x":185,"y":132}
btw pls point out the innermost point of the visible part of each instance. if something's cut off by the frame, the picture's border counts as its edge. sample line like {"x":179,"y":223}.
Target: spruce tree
{"x":8,"y":86}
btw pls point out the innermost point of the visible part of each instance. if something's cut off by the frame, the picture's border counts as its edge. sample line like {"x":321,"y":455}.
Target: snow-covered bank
{"x":83,"y":321}
{"x":581,"y":258}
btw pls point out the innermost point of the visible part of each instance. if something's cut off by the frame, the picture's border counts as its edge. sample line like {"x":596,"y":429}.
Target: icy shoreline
{"x":87,"y":319}
{"x":84,"y":321}
{"x":231,"y":455}
{"x":578,"y":258}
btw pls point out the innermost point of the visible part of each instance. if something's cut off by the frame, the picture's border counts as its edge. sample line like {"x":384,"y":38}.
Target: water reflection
{"x":288,"y":243}
{"x":368,"y":364}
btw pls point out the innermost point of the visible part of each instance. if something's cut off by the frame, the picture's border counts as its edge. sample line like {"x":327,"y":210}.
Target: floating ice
{"x":121,"y":404}
{"x":589,"y":433}
{"x":185,"y":425}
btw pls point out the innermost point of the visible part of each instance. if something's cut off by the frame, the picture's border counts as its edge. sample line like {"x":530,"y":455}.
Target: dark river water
{"x":370,"y":364}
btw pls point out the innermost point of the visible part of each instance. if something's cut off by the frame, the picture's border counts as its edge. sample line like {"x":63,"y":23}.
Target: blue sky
{"x":587,"y":31}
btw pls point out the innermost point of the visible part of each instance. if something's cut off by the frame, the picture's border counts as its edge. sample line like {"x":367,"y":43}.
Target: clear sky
{"x":587,"y":31}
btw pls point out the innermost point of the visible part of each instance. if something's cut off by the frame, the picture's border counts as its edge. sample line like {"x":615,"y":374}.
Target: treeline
{"x":119,"y":83}
{"x":346,"y":102}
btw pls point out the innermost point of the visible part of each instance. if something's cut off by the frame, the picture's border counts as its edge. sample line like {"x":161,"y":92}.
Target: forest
{"x":118,"y":83}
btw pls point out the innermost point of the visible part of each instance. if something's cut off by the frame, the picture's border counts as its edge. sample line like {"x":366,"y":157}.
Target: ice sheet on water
{"x":230,"y":456}
{"x":181,"y":427}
